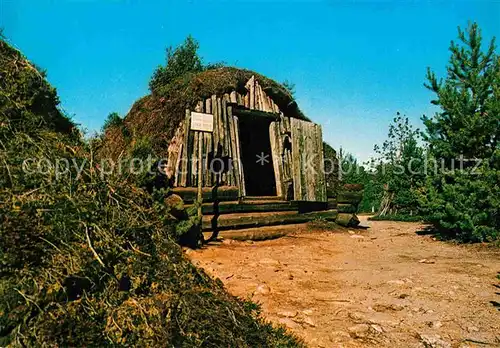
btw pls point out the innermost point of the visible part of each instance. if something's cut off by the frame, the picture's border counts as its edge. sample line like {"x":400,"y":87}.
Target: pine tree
{"x":462,"y":198}
{"x":468,"y":123}
{"x":179,"y":61}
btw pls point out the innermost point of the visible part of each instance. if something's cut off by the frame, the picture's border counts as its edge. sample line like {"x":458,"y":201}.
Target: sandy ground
{"x":381,"y":287}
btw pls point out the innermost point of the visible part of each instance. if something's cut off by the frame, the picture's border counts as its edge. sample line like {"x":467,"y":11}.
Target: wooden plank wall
{"x":279,"y":131}
{"x":307,"y":161}
{"x":224,"y":141}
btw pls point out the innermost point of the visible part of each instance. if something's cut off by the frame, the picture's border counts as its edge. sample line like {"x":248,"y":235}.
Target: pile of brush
{"x":88,"y":259}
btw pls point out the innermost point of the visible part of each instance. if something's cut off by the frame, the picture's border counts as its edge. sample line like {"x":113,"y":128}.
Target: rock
{"x":309,"y":321}
{"x":472,"y":329}
{"x":396,"y":282}
{"x":188,"y":251}
{"x":435,"y":324}
{"x":357,"y":317}
{"x":427,"y":261}
{"x":377,"y":329}
{"x":387,"y":307}
{"x":263,"y":289}
{"x":434,"y":341}
{"x":228,"y":241}
{"x":175,"y":206}
{"x":288,"y":323}
{"x":287,"y":314}
{"x":307,"y":311}
{"x":357,"y":236}
{"x":340,"y":334}
{"x":359,"y":330}
{"x":385,"y":323}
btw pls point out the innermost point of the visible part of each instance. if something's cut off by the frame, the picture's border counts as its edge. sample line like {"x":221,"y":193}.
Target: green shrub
{"x":464,"y":205}
{"x":179,"y":61}
{"x":113,"y":120}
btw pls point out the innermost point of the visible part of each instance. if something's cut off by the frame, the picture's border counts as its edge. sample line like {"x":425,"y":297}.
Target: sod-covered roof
{"x":27,"y":100}
{"x":157,"y":115}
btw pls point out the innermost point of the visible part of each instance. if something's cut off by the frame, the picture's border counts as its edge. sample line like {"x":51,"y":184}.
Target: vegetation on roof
{"x":178,"y":85}
{"x":26,"y":99}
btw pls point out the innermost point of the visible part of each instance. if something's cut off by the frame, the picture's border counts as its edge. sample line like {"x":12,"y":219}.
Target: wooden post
{"x":234,"y":153}
{"x":238,"y":156}
{"x":233,"y":97}
{"x":185,"y":154}
{"x":208,"y":110}
{"x":200,"y":178}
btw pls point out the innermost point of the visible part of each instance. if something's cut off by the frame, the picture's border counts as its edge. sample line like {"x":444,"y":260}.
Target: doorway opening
{"x":256,"y":156}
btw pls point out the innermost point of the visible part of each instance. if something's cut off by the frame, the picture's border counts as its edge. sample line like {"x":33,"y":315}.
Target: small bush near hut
{"x":89,"y":259}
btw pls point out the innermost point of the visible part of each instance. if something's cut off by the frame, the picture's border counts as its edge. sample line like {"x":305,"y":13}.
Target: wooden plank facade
{"x":264,"y":152}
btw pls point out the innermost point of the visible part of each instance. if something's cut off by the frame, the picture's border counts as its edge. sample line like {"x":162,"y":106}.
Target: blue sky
{"x":354,"y":63}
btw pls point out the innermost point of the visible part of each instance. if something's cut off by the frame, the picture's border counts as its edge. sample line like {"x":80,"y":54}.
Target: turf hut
{"x":242,"y":137}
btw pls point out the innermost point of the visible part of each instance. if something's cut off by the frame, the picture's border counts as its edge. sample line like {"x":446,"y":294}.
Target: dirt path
{"x":386,"y":286}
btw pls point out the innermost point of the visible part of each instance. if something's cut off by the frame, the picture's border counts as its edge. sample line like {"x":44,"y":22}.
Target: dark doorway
{"x":256,"y":156}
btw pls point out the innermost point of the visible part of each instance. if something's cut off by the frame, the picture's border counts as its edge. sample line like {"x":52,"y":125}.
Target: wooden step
{"x":224,"y":193}
{"x":262,"y":198}
{"x":248,"y":220}
{"x":248,"y":207}
{"x":260,"y":233}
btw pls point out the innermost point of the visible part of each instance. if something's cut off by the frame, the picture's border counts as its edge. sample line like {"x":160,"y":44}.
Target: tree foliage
{"x":400,"y":168}
{"x":392,"y":179}
{"x":461,"y":199}
{"x":353,"y":172}
{"x":290,"y":87}
{"x":468,"y":122}
{"x":180,"y":61}
{"x":113,"y":120}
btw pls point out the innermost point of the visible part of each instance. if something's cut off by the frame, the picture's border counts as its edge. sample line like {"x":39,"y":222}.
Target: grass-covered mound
{"x":156,"y":116}
{"x":88,"y":259}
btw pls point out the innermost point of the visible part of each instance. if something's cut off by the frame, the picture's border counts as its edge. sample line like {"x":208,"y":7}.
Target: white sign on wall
{"x":202,"y":122}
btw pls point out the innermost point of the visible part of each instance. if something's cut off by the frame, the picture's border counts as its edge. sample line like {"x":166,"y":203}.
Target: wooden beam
{"x":239,"y":221}
{"x":230,"y":207}
{"x":255,"y":113}
{"x":275,"y":140}
{"x":238,"y":156}
{"x":224,"y":193}
{"x":185,"y":154}
{"x":234,"y":152}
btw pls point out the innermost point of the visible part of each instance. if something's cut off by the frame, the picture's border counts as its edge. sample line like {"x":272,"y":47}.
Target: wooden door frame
{"x":242,"y":112}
